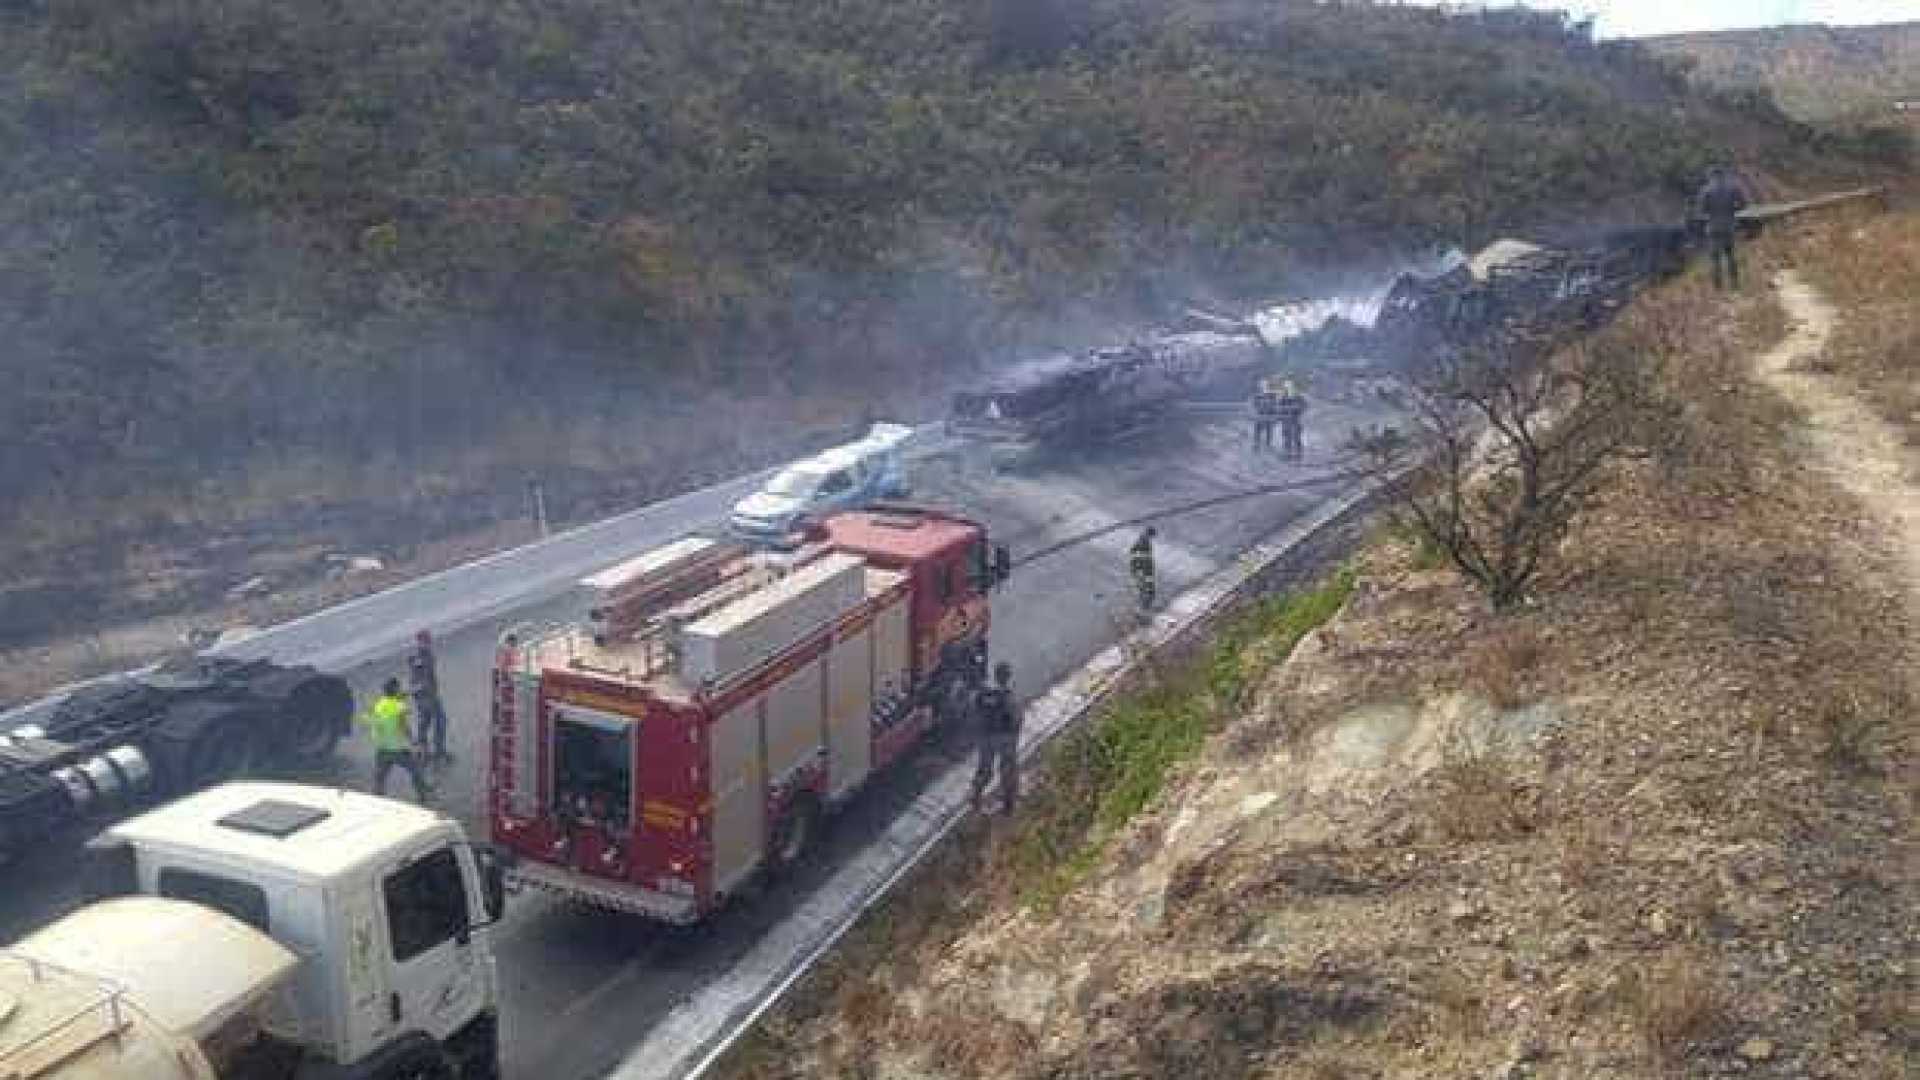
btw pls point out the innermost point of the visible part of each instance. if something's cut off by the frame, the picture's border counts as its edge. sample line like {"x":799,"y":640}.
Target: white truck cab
{"x":386,"y":905}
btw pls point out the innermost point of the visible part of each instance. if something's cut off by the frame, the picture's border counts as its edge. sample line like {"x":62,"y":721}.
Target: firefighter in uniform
{"x":1292,"y":409}
{"x":1266,"y":412}
{"x":997,"y":717}
{"x":1140,"y":565}
{"x":1719,"y":204}
{"x":389,"y":724}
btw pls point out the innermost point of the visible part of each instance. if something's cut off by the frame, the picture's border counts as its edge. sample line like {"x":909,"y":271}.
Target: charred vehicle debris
{"x":1103,"y":392}
{"x":1510,"y":294}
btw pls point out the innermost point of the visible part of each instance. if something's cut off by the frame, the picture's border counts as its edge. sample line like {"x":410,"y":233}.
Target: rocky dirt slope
{"x":1658,"y":823}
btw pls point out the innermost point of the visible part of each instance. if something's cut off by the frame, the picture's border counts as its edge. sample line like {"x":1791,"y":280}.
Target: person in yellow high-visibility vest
{"x":389,"y":723}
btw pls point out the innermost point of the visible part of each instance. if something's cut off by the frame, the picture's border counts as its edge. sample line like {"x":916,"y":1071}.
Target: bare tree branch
{"x":1514,"y":446}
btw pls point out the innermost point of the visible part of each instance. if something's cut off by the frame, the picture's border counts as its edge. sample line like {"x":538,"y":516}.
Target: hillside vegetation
{"x":1817,"y":73}
{"x":359,"y":268}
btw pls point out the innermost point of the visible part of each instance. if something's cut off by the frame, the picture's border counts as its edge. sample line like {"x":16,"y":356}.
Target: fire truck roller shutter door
{"x":892,"y":652}
{"x":849,"y":712}
{"x":739,"y":787}
{"x":794,"y":722}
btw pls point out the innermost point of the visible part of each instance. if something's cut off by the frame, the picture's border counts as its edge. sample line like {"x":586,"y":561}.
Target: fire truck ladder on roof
{"x":505,"y":730}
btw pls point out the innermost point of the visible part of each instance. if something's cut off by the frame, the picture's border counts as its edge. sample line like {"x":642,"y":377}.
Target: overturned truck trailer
{"x":1066,"y":401}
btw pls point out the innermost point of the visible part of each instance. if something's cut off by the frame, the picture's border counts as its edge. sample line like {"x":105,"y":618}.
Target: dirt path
{"x":1862,"y":453}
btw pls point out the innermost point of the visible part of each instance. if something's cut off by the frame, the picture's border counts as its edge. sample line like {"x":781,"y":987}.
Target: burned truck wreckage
{"x":1105,"y":392}
{"x":125,"y":743}
{"x":1511,"y":294}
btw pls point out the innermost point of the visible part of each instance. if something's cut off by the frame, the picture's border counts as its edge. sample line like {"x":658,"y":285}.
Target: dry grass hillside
{"x":1817,"y":73}
{"x":1866,"y":265}
{"x":1659,"y":822}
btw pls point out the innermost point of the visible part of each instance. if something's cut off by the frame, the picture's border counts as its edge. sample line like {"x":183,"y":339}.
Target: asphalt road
{"x":580,"y":987}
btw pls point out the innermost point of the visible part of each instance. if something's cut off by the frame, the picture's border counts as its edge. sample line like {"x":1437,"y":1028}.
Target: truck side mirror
{"x":1002,"y":564}
{"x":490,"y":862}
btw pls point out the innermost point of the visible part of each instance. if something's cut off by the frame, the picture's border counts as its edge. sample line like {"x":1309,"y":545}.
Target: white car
{"x":846,"y":476}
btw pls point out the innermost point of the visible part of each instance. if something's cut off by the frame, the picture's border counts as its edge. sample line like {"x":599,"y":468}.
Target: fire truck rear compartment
{"x":593,"y":765}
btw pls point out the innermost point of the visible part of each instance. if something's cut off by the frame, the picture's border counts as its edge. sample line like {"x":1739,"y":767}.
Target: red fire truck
{"x":721,"y":700}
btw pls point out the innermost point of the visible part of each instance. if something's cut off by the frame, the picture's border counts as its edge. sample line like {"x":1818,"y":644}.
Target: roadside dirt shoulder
{"x":1660,"y":822}
{"x":1851,"y":445}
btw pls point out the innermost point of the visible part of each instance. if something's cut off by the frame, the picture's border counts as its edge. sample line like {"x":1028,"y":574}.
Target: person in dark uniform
{"x":1140,"y":565}
{"x":423,"y":685}
{"x":997,"y":717}
{"x":1292,"y":410}
{"x":1718,"y":206}
{"x":1266,"y":413}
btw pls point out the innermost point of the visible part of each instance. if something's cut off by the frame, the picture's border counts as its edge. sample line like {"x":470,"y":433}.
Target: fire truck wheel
{"x":794,"y":834}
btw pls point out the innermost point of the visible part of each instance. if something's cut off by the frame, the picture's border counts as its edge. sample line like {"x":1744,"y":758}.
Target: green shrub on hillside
{"x":234,"y":226}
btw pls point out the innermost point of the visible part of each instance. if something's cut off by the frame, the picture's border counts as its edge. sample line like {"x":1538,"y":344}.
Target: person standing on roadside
{"x":997,"y":720}
{"x":1292,"y":410}
{"x":1718,"y":205}
{"x":390,"y":725}
{"x":1266,"y":412}
{"x":1140,"y":565}
{"x":423,"y":685}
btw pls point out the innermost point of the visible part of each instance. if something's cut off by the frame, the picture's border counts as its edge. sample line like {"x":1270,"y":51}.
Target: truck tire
{"x":793,"y":835}
{"x":475,"y":1049}
{"x":222,"y":751}
{"x":423,"y":1062}
{"x":201,"y":743}
{"x":315,"y":717}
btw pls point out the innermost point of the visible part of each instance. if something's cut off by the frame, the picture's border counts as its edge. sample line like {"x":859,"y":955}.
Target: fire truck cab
{"x":721,"y":701}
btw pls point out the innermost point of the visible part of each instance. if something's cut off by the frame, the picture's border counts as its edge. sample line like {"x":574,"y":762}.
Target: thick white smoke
{"x":1280,"y":322}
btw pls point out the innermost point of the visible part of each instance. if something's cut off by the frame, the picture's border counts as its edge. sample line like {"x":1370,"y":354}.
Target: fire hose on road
{"x":1195,"y":506}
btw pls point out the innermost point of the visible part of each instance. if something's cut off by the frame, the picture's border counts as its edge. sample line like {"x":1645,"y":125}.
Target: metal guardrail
{"x":1766,"y":212}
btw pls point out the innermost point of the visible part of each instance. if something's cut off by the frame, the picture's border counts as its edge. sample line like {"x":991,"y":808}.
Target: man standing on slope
{"x":1719,"y":205}
{"x":389,"y":724}
{"x":997,"y":719}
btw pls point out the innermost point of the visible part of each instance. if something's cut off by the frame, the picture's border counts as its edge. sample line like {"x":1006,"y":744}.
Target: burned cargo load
{"x":118,"y":745}
{"x":1100,"y":394}
{"x":1516,"y":294}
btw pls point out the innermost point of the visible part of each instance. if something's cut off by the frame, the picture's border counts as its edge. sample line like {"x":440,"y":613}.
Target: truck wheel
{"x":475,"y":1049}
{"x":310,"y":739}
{"x":221,"y":751}
{"x":200,"y":742}
{"x":794,"y":835}
{"x":316,"y":714}
{"x":422,"y":1063}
